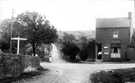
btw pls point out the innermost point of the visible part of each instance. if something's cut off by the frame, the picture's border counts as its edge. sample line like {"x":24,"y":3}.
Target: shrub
{"x":83,"y":55}
{"x":70,"y":49}
{"x":24,"y":76}
{"x":114,"y":76}
{"x":88,"y":50}
{"x":11,"y":65}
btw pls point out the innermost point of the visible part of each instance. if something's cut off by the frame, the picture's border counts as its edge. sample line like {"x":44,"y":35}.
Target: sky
{"x":67,"y":15}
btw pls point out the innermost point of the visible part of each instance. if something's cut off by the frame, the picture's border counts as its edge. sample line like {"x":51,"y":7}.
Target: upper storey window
{"x":115,"y":34}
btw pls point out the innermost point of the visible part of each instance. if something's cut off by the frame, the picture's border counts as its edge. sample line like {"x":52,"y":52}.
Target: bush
{"x":83,"y":55}
{"x":101,"y":77}
{"x":24,"y":76}
{"x":70,"y":49}
{"x":10,"y":65}
{"x":114,"y":76}
{"x":88,"y":50}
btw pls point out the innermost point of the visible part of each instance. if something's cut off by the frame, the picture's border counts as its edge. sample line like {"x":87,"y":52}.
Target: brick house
{"x":113,"y":35}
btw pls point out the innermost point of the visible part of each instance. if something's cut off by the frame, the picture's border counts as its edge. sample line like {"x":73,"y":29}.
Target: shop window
{"x":115,"y":52}
{"x":115,"y":34}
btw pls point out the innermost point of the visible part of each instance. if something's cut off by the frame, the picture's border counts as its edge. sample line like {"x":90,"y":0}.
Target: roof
{"x":112,"y":22}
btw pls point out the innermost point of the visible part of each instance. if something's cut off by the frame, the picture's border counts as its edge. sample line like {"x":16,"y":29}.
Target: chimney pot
{"x":129,"y":15}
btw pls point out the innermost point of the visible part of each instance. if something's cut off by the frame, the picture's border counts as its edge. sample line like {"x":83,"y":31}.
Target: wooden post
{"x":18,"y":42}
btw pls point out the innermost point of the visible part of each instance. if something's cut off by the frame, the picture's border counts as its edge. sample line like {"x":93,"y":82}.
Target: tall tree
{"x":5,"y":34}
{"x":70,"y":48}
{"x":35,"y":27}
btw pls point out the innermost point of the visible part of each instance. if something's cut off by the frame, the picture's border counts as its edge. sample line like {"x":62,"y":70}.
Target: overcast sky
{"x":70,"y":14}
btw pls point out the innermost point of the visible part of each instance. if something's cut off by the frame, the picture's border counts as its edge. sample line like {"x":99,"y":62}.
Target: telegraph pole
{"x":11,"y":31}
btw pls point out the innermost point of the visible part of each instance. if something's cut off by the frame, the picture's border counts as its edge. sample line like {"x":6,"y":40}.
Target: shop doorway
{"x":99,"y":51}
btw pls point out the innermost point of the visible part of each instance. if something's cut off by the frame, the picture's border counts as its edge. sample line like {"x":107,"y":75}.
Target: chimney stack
{"x":129,"y":15}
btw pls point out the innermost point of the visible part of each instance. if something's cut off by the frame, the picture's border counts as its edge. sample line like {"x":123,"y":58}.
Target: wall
{"x":104,"y":35}
{"x":131,"y":54}
{"x":32,"y":61}
{"x":12,"y":65}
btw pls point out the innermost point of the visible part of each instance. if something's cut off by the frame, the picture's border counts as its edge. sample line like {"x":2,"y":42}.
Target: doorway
{"x":99,"y":51}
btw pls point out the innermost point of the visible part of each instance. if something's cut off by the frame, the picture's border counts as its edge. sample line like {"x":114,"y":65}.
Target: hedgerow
{"x":114,"y":76}
{"x":11,"y":65}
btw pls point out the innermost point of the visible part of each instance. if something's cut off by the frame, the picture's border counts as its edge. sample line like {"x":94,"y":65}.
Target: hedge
{"x":114,"y":76}
{"x":12,"y":65}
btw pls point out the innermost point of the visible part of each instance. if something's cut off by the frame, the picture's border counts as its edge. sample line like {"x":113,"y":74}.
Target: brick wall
{"x":105,"y":35}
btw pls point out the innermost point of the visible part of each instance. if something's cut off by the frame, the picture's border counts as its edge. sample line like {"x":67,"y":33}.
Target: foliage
{"x":38,"y":29}
{"x":70,"y":49}
{"x":33,"y":26}
{"x":10,"y":65}
{"x":68,"y":37}
{"x":84,"y":39}
{"x":88,"y":49}
{"x":114,"y":76}
{"x":83,"y":55}
{"x":85,"y":49}
{"x":24,"y":76}
{"x":5,"y":32}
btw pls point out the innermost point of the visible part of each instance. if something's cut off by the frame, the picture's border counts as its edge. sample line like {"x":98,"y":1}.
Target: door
{"x":99,"y":51}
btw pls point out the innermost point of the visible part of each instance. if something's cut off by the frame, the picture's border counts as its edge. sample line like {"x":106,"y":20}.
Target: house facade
{"x":113,"y":35}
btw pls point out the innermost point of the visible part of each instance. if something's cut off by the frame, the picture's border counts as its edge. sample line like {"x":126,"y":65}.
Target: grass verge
{"x":24,"y":76}
{"x":114,"y":76}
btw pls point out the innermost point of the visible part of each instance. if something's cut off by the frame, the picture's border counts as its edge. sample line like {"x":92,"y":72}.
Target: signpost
{"x":18,"y":42}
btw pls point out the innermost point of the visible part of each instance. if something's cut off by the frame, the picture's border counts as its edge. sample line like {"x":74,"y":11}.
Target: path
{"x":64,"y":72}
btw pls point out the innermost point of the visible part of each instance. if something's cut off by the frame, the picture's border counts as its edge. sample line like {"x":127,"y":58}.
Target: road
{"x":64,"y":72}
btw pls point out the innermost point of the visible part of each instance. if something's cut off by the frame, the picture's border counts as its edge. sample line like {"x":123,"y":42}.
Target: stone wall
{"x":32,"y":61}
{"x":12,"y":65}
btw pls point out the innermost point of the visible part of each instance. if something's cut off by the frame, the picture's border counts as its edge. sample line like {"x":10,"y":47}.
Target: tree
{"x":35,"y":27}
{"x":84,"y":39}
{"x":38,"y":29}
{"x":68,"y":37}
{"x":88,"y":50}
{"x":71,"y":49}
{"x":5,"y":32}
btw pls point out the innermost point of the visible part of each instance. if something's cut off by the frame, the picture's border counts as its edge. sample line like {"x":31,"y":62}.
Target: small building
{"x":113,"y":35}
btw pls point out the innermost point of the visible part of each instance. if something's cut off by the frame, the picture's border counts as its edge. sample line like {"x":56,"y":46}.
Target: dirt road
{"x":64,"y":72}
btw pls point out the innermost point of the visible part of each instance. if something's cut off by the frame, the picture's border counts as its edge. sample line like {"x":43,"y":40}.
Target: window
{"x":115,"y":34}
{"x":105,"y":46}
{"x":115,"y":52}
